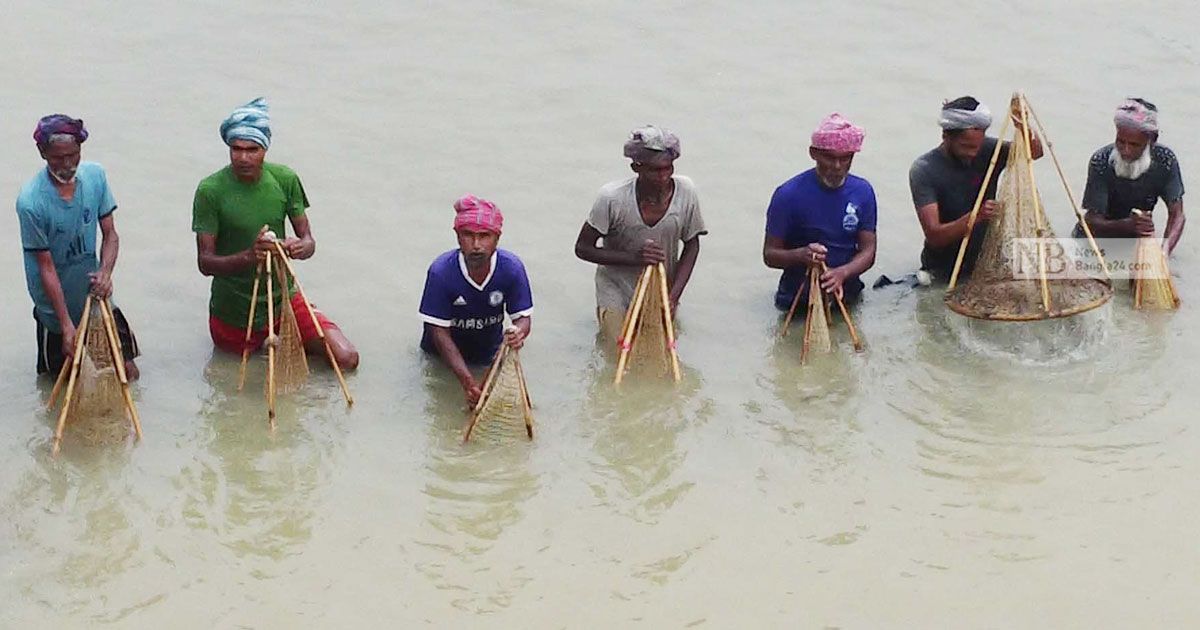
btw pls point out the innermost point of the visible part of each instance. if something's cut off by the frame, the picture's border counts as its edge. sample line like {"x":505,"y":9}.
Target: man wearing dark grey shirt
{"x":1133,"y":173}
{"x":945,"y":182}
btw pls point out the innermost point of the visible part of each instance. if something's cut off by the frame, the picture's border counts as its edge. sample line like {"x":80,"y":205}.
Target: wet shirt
{"x":474,"y":313}
{"x":804,"y":211}
{"x":616,"y":216}
{"x":66,"y":229}
{"x":1115,"y":197}
{"x":234,"y":211}
{"x":938,"y":178}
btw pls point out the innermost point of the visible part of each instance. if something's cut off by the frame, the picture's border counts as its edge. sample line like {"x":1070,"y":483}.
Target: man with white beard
{"x":1133,"y":173}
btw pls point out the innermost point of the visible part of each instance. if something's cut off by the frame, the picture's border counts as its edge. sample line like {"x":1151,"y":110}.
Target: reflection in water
{"x":258,"y":490}
{"x":476,"y":491}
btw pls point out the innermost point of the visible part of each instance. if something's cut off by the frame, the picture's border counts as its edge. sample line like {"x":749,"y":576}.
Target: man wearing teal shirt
{"x":59,"y":211}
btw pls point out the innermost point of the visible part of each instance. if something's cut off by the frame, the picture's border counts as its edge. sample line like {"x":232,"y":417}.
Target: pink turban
{"x":838,"y":134}
{"x":477,"y":215}
{"x":1138,"y":114}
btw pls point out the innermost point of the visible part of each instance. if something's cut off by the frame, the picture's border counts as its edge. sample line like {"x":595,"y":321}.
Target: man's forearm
{"x":109,"y":249}
{"x":607,"y":256}
{"x":1103,"y":227}
{"x":54,"y":292}
{"x":683,"y":270}
{"x":449,"y":352}
{"x":1175,"y":222}
{"x":214,"y":265}
{"x":860,"y":263}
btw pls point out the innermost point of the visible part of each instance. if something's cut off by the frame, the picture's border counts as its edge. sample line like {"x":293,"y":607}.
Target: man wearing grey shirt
{"x":946,"y":180}
{"x":642,"y":221}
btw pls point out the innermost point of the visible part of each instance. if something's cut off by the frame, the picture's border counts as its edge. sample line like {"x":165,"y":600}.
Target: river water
{"x":953,"y":475}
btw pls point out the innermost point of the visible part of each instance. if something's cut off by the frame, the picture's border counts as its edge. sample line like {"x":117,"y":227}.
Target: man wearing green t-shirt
{"x":229,"y":213}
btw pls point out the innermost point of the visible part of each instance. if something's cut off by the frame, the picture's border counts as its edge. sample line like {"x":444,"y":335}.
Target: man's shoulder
{"x":31,"y":191}
{"x":444,"y":261}
{"x":1163,"y":155}
{"x":215,"y":179}
{"x":90,"y":171}
{"x":280,"y":172}
{"x":927,"y":161}
{"x":508,"y":260}
{"x":615,"y":188}
{"x":1100,"y":156}
{"x":859,"y":184}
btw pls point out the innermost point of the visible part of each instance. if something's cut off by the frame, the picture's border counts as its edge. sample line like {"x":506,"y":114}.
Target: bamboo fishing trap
{"x":994,"y":290}
{"x":95,"y":378}
{"x":504,"y":402}
{"x":1153,"y":286}
{"x":287,"y":361}
{"x":648,"y":333}
{"x":817,"y":329}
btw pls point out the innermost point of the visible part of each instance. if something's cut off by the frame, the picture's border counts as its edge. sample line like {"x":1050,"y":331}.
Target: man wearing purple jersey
{"x":469,"y":290}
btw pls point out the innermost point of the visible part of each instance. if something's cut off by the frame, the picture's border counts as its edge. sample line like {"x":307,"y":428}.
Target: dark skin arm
{"x":940,"y":235}
{"x":683,"y":271}
{"x":1133,"y":225}
{"x":831,"y":280}
{"x":110,"y":244}
{"x":53,"y":288}
{"x":301,"y":246}
{"x":587,"y":249}
{"x":454,"y":360}
{"x":1175,"y":222}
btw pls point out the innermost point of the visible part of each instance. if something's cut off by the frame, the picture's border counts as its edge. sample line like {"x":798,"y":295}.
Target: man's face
{"x":62,"y":158}
{"x":964,"y":145}
{"x":656,"y":173}
{"x":1131,"y":143}
{"x":246,"y":158}
{"x":477,"y":246}
{"x":832,"y":166}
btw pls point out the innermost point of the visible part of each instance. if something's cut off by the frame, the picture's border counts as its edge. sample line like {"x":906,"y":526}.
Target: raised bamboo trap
{"x":993,"y":291}
{"x":287,"y":361}
{"x":817,"y":329}
{"x":97,"y":386}
{"x":648,"y":333}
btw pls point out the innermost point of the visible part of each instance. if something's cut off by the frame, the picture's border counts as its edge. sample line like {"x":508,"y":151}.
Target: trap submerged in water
{"x":1019,"y":238}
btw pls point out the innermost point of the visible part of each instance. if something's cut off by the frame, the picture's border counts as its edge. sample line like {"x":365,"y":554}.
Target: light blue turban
{"x":249,"y":122}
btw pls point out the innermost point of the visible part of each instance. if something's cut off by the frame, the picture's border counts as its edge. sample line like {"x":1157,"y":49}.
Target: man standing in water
{"x":1133,"y":172}
{"x":946,"y":180}
{"x":59,"y":211}
{"x":469,"y":290}
{"x":231,"y":207}
{"x":823,"y":217}
{"x":642,"y":221}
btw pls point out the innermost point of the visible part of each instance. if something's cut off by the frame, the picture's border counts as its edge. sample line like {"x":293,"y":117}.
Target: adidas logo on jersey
{"x":460,"y":301}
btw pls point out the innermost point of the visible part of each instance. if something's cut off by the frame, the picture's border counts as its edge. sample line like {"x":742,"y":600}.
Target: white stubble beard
{"x":1130,"y":169}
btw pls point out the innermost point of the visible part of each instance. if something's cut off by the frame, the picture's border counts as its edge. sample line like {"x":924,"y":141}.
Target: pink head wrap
{"x":838,"y":134}
{"x":1139,"y":114}
{"x":477,"y":215}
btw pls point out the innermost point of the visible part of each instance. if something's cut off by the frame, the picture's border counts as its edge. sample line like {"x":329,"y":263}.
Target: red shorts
{"x":233,"y":338}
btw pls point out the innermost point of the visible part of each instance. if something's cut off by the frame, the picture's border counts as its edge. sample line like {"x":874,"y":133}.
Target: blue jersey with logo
{"x":804,"y":211}
{"x":66,"y":229}
{"x":474,"y":313}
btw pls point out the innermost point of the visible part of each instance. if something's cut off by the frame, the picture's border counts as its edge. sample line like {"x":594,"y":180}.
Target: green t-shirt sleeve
{"x":204,"y":212}
{"x":297,"y":199}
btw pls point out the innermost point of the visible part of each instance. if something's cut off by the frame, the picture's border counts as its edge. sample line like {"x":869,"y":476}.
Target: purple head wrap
{"x":56,"y":124}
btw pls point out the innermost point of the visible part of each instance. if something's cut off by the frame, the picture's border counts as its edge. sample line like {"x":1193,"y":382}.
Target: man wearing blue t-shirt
{"x":469,"y":290}
{"x":59,"y":211}
{"x":823,"y":217}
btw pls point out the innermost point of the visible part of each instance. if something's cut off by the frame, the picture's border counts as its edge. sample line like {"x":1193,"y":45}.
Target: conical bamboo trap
{"x":993,"y":291}
{"x":97,"y":385}
{"x":287,"y":361}
{"x":648,"y":332}
{"x":504,"y":402}
{"x":1153,"y":287}
{"x":817,"y":329}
